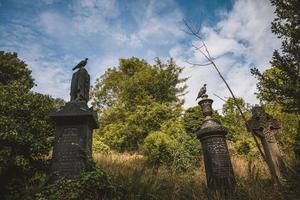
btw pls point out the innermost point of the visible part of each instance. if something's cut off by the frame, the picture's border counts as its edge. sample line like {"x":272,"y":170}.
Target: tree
{"x":281,"y":83}
{"x":135,"y":82}
{"x":193,"y":119}
{"x":14,"y":72}
{"x":135,"y":99}
{"x":238,"y":136}
{"x":26,"y":134}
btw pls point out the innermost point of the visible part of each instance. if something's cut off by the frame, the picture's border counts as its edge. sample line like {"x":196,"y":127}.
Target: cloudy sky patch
{"x":54,"y":35}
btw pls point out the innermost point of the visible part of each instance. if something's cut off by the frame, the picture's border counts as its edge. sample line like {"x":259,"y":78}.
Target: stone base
{"x":73,"y":139}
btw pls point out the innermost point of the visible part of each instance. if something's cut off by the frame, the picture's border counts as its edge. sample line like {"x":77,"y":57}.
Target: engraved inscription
{"x":217,"y":152}
{"x":67,"y":153}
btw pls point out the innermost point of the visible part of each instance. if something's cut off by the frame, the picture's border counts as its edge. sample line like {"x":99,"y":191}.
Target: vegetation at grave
{"x":97,"y":184}
{"x":140,"y":181}
{"x":172,"y":147}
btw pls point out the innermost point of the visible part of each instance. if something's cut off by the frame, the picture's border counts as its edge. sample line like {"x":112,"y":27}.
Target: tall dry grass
{"x":140,"y":181}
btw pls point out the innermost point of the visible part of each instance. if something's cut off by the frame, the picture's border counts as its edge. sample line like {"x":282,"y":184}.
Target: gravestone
{"x":218,"y":168}
{"x":74,"y":124}
{"x":265,"y":127}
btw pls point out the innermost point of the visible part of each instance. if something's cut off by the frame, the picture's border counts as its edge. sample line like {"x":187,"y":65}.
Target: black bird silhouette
{"x":81,"y":64}
{"x":201,"y":92}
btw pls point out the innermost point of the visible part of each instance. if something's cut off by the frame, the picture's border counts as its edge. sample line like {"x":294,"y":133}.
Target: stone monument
{"x":218,"y":168}
{"x":265,"y":127}
{"x":74,"y":126}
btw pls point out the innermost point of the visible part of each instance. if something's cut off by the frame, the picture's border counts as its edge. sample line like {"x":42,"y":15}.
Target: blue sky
{"x":54,"y":35}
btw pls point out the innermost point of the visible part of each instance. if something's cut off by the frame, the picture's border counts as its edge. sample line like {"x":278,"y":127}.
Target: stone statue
{"x":74,"y":125}
{"x":80,"y":85}
{"x":201,"y":92}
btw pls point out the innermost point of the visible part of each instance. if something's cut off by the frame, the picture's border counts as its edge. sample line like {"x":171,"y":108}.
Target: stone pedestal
{"x":218,"y":168}
{"x":73,"y":139}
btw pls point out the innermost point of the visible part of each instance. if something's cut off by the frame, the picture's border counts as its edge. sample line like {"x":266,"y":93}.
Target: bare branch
{"x":219,"y":97}
{"x":210,"y":59}
{"x":197,"y":64}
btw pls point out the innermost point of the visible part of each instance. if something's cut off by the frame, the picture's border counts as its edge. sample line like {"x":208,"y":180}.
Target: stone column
{"x":218,"y":168}
{"x":73,"y":139}
{"x":266,"y":127}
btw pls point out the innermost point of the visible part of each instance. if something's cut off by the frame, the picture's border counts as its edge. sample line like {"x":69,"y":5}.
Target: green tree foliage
{"x":135,"y":99}
{"x":192,"y":119}
{"x":289,"y":125}
{"x":281,"y":83}
{"x":239,"y":138}
{"x":125,"y":130}
{"x":135,"y":82}
{"x":26,"y":133}
{"x":171,"y":146}
{"x":14,"y":72}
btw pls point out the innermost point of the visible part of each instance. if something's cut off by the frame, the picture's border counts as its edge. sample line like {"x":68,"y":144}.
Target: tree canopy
{"x":26,"y":134}
{"x":135,"y":82}
{"x":281,"y":83}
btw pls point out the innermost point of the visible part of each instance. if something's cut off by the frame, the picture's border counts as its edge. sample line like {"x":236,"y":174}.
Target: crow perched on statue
{"x":201,"y":92}
{"x":81,"y":64}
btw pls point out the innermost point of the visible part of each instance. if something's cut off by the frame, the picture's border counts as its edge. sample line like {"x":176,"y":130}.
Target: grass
{"x":140,"y":181}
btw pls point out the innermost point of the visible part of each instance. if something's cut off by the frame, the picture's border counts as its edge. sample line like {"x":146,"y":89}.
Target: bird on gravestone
{"x":81,"y":64}
{"x":201,"y":92}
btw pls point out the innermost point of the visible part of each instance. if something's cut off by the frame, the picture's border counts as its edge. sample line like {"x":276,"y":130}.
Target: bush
{"x":125,"y":130}
{"x":97,"y":184}
{"x":99,"y":146}
{"x":172,"y":147}
{"x":158,"y":148}
{"x":242,"y":147}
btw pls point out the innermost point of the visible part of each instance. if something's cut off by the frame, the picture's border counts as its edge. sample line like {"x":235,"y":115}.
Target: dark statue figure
{"x":202,"y":92}
{"x":80,"y":85}
{"x":74,"y":125}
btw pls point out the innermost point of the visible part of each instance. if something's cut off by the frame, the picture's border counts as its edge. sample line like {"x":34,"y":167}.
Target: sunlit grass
{"x":140,"y":181}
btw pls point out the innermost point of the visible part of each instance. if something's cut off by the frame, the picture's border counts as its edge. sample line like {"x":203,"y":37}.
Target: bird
{"x":201,"y":92}
{"x":81,"y":64}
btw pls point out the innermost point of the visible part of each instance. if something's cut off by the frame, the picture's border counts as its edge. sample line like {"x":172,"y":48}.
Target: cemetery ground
{"x":140,"y":181}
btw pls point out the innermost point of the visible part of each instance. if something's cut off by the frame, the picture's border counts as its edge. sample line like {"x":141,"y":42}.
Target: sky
{"x":52,"y":36}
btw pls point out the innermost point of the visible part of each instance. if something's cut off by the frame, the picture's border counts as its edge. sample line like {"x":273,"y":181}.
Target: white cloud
{"x":154,"y":26}
{"x":52,"y":42}
{"x":53,"y":23}
{"x":242,"y":39}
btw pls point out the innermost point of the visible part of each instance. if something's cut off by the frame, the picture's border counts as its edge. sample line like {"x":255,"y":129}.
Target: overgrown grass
{"x":139,"y":181}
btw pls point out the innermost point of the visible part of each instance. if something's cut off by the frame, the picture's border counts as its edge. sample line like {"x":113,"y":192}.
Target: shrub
{"x":158,"y":148}
{"x":97,"y":184}
{"x":125,"y":130}
{"x":99,"y":146}
{"x":172,"y":147}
